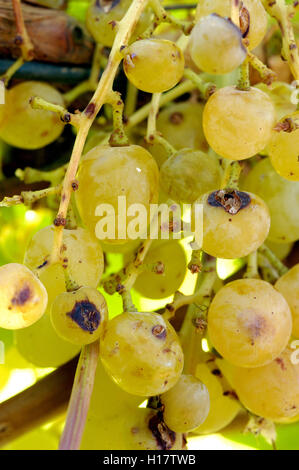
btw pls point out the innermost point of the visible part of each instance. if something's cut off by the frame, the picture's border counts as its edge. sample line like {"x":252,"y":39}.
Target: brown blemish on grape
{"x":176,"y":118}
{"x":244,"y":21}
{"x":217,"y":372}
{"x":44,"y":134}
{"x":230,"y":200}
{"x":257,"y":327}
{"x":165,"y":438}
{"x":86,"y":315}
{"x":281,"y":363}
{"x":159,"y":331}
{"x":113,"y":24}
{"x":22,"y":296}
{"x":75,"y":185}
{"x":42,"y":265}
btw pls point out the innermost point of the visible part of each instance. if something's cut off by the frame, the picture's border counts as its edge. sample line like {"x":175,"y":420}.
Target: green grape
{"x":159,"y":286}
{"x":186,"y":405}
{"x":235,"y":223}
{"x":281,"y":197}
{"x":102,"y":17}
{"x":288,"y":286}
{"x":238,"y":123}
{"x":23,"y":298}
{"x":27,"y":128}
{"x":281,"y":250}
{"x":181,"y":125}
{"x":283,"y":151}
{"x":142,"y":353}
{"x":154,"y":65}
{"x":188,"y":174}
{"x":79,"y":316}
{"x":107,"y":173}
{"x":249,"y":322}
{"x":270,"y":391}
{"x":253,"y":17}
{"x":82,"y":255}
{"x":223,"y":407}
{"x":216,"y":45}
{"x":39,"y":343}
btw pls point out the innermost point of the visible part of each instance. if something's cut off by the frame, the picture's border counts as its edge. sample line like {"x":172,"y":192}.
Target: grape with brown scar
{"x":235,"y":223}
{"x":80,"y":316}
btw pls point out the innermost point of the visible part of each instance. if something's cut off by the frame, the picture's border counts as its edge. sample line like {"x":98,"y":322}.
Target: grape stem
{"x":267,"y":75}
{"x":206,"y":88}
{"x":22,"y":39}
{"x":66,"y":117}
{"x":195,"y":321}
{"x":104,"y":88}
{"x":80,"y":398}
{"x":252,"y":267}
{"x":154,"y":109}
{"x":231,"y":175}
{"x":29,"y":197}
{"x":32,"y":175}
{"x":131,"y":99}
{"x":268,"y":273}
{"x":244,"y":81}
{"x":163,"y":17}
{"x":280,"y":11}
{"x":275,"y":262}
{"x":118,"y":137}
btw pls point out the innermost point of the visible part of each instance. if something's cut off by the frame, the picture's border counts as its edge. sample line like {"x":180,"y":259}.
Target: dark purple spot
{"x":231,"y":201}
{"x":22,"y":296}
{"x":86,"y":315}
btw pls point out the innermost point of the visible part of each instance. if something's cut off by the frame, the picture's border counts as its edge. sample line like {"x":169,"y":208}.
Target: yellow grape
{"x":101,"y":19}
{"x":253,"y":17}
{"x":249,"y":322}
{"x":186,"y":405}
{"x":238,"y":123}
{"x":288,"y":285}
{"x":23,"y":298}
{"x":181,"y":125}
{"x":39,"y":343}
{"x":281,"y":96}
{"x":142,"y":353}
{"x":79,"y":316}
{"x":270,"y":391}
{"x":223,"y":405}
{"x":283,"y":151}
{"x":154,"y":65}
{"x":235,"y":223}
{"x":82,"y":255}
{"x":25,"y":127}
{"x":105,"y":174}
{"x":159,"y":286}
{"x":188,"y":174}
{"x":216,"y":45}
{"x":281,"y":197}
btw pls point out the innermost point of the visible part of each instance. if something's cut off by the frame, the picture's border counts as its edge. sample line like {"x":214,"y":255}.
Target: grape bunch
{"x":192,"y":164}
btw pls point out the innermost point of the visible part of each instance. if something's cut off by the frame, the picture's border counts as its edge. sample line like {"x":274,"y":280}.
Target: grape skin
{"x":288,"y":285}
{"x":249,"y":322}
{"x":188,"y":174}
{"x":141,"y":362}
{"x":27,"y":128}
{"x":238,"y":123}
{"x":154,"y":65}
{"x":186,"y":405}
{"x":258,"y":17}
{"x":216,"y":45}
{"x":283,"y":151}
{"x":70,"y":319}
{"x":99,"y":21}
{"x":233,"y":236}
{"x":108,"y":172}
{"x":159,"y":286}
{"x":270,"y":391}
{"x":281,"y":197}
{"x":82,"y":255}
{"x":23,"y":298}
